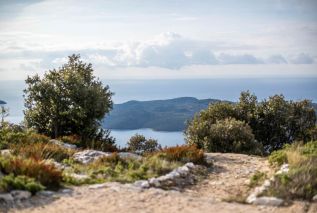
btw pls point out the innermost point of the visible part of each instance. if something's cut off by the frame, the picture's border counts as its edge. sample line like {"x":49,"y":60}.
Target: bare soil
{"x":222,"y":191}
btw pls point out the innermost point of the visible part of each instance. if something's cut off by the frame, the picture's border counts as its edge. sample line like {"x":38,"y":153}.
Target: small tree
{"x":69,"y":100}
{"x":139,"y":144}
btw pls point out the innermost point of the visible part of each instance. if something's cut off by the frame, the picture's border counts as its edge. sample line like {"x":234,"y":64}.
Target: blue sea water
{"x":225,"y":89}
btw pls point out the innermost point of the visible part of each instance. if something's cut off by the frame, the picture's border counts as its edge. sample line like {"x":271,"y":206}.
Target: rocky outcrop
{"x":256,"y":198}
{"x":62,"y":144}
{"x":176,"y":179}
{"x":88,"y":156}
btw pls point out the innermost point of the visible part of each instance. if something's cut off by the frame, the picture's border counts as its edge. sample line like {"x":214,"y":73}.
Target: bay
{"x":164,"y":138}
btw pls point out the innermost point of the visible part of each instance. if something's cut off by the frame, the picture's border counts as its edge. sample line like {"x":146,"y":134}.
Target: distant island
{"x":2,"y":102}
{"x":159,"y":115}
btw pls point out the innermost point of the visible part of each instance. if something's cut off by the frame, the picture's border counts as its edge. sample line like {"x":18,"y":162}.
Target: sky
{"x":156,"y":39}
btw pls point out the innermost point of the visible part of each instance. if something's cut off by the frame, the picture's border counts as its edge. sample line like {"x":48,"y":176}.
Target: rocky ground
{"x":225,"y":185}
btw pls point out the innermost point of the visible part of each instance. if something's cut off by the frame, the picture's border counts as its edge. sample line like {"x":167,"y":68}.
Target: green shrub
{"x":11,"y":182}
{"x":184,"y":154}
{"x":274,"y":122}
{"x":140,"y":145}
{"x":11,"y":134}
{"x":46,"y":174}
{"x":40,"y":151}
{"x":277,"y":158}
{"x":230,"y":135}
{"x":257,"y":179}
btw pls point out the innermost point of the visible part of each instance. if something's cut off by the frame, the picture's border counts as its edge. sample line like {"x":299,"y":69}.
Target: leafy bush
{"x":46,"y":174}
{"x":274,"y":122}
{"x":139,"y":144}
{"x":40,"y":151}
{"x":11,"y":182}
{"x":277,"y":158}
{"x":103,"y":141}
{"x":231,"y":135}
{"x":10,"y":134}
{"x":184,"y":154}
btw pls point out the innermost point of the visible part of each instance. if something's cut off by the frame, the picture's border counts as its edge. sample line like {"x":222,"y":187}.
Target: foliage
{"x":301,"y":180}
{"x":4,"y":112}
{"x":67,"y":101}
{"x":46,"y":174}
{"x":184,"y":154}
{"x":274,"y":122}
{"x":257,"y":179}
{"x":278,"y":157}
{"x":139,"y":144}
{"x":10,"y":134}
{"x":41,"y":151}
{"x":11,"y":182}
{"x":71,"y":139}
{"x":102,"y":141}
{"x":231,"y":135}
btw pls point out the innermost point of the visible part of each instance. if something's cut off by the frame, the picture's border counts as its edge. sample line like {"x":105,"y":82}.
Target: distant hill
{"x":160,"y":115}
{"x":3,"y":102}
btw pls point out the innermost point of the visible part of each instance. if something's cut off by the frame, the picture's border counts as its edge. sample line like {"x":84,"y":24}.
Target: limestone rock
{"x":126,"y":155}
{"x":6,"y":197}
{"x":45,"y":193}
{"x":284,"y":169}
{"x":268,"y":201}
{"x":98,"y":186}
{"x":20,"y":194}
{"x":5,"y":152}
{"x":62,"y":144}
{"x":88,"y":156}
{"x":142,"y":184}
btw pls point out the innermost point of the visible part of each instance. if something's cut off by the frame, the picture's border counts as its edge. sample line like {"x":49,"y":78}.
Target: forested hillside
{"x":163,"y":115}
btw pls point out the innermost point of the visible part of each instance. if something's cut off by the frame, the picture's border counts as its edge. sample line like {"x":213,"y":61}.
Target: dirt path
{"x":228,"y":179}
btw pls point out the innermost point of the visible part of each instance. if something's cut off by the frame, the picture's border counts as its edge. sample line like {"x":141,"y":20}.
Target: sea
{"x":224,"y":89}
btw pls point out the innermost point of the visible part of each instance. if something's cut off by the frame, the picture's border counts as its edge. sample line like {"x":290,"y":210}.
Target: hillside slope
{"x":161,"y":115}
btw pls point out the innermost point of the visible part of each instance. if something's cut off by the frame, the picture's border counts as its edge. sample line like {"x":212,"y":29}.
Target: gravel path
{"x":227,"y":180}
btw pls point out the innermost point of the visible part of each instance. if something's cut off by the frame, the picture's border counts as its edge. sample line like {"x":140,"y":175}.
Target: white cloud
{"x":302,"y":58}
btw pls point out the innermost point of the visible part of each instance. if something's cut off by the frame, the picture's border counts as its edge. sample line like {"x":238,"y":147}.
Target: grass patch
{"x":257,"y":179}
{"x":114,"y":168}
{"x":46,"y":174}
{"x":184,"y":154}
{"x":21,"y":182}
{"x":301,"y":180}
{"x":41,"y":151}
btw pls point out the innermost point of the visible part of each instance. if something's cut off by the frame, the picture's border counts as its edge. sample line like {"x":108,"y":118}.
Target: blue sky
{"x":172,"y":39}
